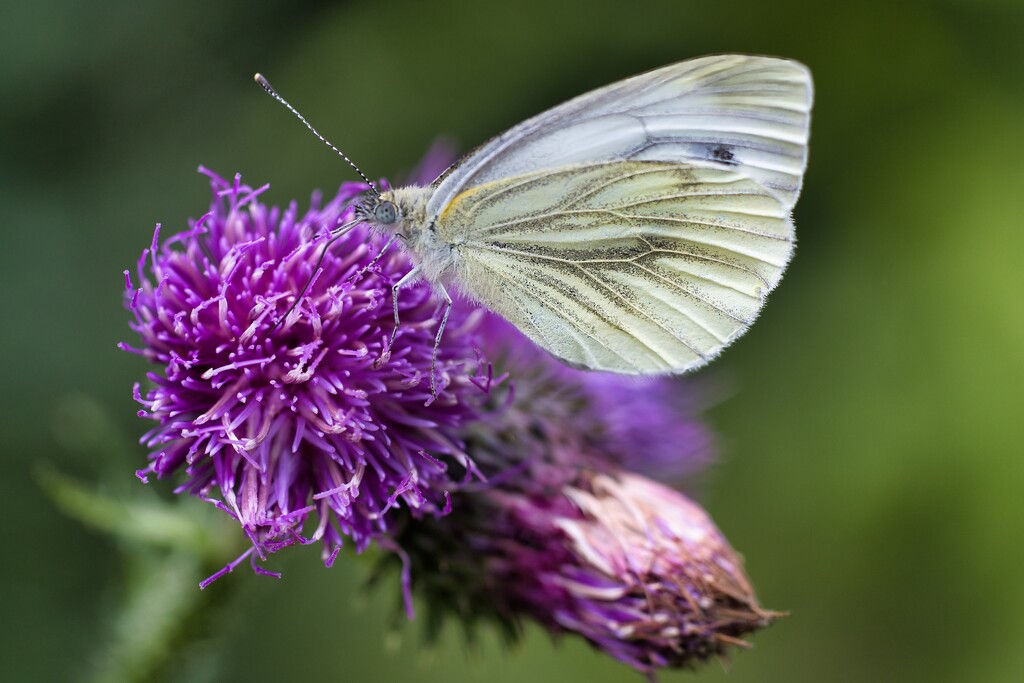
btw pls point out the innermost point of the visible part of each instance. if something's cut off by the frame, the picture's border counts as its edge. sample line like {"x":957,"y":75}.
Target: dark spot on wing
{"x":723,"y":154}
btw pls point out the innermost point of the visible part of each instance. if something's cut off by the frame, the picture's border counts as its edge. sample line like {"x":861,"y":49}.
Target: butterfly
{"x":635,"y":229}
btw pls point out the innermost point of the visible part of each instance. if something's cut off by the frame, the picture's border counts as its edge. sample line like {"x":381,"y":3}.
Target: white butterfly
{"x":634,"y":229}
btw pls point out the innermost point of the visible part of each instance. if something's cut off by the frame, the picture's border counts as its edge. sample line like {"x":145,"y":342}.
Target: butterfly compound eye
{"x":385,"y":212}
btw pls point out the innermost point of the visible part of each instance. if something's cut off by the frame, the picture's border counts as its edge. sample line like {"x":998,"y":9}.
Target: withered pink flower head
{"x":651,"y":579}
{"x":279,"y":420}
{"x":634,"y":567}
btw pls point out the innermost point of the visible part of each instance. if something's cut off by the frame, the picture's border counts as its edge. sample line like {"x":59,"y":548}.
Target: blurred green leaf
{"x":182,"y":525}
{"x":168,"y":549}
{"x":161,"y":599}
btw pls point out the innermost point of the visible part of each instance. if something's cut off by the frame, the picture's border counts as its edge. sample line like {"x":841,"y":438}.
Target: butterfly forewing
{"x":637,"y":267}
{"x":748,"y":113}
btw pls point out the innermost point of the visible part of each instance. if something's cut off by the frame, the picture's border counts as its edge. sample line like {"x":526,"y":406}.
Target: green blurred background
{"x":872,"y":439}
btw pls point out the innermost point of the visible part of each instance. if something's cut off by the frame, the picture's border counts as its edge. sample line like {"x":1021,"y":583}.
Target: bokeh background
{"x":872,"y":435}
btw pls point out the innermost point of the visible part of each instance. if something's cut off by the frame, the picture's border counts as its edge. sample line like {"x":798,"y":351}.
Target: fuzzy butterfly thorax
{"x":414,"y":228}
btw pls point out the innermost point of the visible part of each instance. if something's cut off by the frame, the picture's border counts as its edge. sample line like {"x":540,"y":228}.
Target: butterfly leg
{"x":406,"y":279}
{"x":373,"y":262}
{"x":437,"y":339}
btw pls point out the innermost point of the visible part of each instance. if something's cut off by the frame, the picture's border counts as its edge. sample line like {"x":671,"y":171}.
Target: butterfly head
{"x":398,"y":211}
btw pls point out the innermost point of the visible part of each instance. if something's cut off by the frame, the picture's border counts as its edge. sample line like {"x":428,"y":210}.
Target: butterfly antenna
{"x":265,"y":84}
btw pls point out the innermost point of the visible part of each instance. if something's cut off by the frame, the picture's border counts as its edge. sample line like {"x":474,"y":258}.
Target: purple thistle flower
{"x":308,"y":422}
{"x":564,"y":534}
{"x":307,"y":419}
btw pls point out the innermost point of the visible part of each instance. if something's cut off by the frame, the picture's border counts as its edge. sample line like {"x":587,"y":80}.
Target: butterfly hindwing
{"x":636,"y":267}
